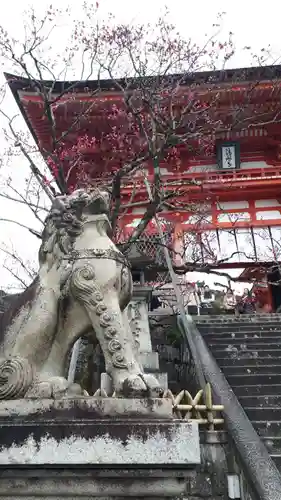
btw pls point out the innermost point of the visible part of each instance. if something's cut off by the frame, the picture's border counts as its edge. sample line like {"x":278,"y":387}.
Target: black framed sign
{"x":228,"y":155}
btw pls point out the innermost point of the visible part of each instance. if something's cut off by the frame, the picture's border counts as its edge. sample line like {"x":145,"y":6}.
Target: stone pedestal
{"x":94,"y":448}
{"x":149,"y":358}
{"x":139,"y":316}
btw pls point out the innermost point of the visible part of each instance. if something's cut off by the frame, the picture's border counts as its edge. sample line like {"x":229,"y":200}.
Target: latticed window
{"x":151,"y":246}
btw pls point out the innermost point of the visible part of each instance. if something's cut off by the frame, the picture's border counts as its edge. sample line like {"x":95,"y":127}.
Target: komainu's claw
{"x":141,"y":385}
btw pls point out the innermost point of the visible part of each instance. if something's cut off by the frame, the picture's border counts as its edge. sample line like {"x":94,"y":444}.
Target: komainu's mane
{"x":62,"y":226}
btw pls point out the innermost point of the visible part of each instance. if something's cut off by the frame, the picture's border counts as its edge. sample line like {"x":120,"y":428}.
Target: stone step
{"x":249,"y":352}
{"x":232,"y":351}
{"x":251,"y":344}
{"x":254,"y":379}
{"x":242,"y":333}
{"x":267,"y":428}
{"x":249,"y":337}
{"x":253,"y":389}
{"x":256,"y":344}
{"x":270,"y":400}
{"x":249,"y":361}
{"x":272,"y":413}
{"x":245,"y":370}
{"x":246,"y":338}
{"x":229,"y":320}
{"x":238,"y":326}
{"x":251,"y":333}
{"x":245,"y":318}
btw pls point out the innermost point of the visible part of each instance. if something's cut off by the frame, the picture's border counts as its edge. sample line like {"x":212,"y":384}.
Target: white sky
{"x":253,"y":23}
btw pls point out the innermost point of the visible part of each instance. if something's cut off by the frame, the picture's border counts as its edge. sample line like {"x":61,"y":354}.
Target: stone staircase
{"x":248,"y":351}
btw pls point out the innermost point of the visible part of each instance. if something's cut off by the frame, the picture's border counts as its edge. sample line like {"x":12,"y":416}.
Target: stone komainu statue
{"x":83,"y":288}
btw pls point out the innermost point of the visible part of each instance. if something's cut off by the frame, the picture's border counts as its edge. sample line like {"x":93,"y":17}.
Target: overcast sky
{"x":254,"y":23}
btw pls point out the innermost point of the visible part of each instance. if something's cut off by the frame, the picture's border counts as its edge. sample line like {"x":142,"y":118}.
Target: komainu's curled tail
{"x":16,"y":376}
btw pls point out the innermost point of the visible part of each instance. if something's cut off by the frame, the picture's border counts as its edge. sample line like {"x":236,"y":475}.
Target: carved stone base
{"x":72,"y":449}
{"x":83,"y":409}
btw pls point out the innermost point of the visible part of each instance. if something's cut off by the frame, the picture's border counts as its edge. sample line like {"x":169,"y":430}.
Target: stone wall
{"x":209,"y":480}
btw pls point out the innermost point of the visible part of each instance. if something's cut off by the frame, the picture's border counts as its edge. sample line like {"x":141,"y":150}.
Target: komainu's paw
{"x":55,"y":388}
{"x":153,"y":387}
{"x":141,"y":386}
